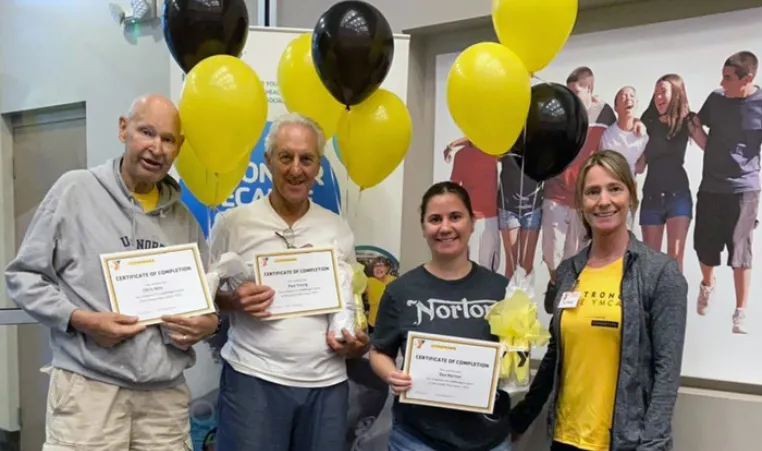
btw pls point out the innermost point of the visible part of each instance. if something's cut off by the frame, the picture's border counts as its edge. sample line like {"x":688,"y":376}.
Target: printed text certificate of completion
{"x":151,"y":283}
{"x":451,"y":372}
{"x":305,"y":281}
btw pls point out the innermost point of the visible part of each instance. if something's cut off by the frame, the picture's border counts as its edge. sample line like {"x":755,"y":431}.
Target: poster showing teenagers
{"x":368,"y":413}
{"x":681,"y":101}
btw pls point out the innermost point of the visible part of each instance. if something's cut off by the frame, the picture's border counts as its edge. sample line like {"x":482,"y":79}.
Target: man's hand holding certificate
{"x":152,"y":283}
{"x":450,"y":372}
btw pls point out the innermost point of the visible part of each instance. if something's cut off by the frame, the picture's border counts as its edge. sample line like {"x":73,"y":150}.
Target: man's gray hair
{"x":294,"y":119}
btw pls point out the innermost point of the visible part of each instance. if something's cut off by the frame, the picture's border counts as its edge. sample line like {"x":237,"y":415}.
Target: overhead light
{"x":142,"y":11}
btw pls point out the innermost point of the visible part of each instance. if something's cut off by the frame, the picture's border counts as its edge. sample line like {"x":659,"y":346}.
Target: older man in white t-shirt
{"x":284,"y":382}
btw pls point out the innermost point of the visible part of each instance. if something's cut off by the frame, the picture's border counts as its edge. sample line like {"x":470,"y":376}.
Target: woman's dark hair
{"x":441,"y":188}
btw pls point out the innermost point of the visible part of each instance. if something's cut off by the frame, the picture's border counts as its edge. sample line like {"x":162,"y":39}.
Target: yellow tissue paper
{"x":359,"y":282}
{"x":514,"y":321}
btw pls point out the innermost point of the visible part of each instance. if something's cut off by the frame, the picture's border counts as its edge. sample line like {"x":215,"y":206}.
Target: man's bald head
{"x":154,"y":102}
{"x":152,"y":134}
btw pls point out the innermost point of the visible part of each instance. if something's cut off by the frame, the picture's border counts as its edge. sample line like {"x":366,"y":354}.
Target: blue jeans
{"x":657,"y":208}
{"x":529,"y":220}
{"x":400,"y":440}
{"x":256,"y":415}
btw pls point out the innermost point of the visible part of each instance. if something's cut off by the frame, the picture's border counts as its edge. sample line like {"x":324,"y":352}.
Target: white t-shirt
{"x":292,"y":351}
{"x":630,"y":145}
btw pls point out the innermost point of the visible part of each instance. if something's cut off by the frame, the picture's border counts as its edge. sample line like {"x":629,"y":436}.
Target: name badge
{"x":569,"y":300}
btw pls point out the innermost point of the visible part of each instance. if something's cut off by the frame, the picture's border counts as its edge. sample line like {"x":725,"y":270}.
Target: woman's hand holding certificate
{"x":452,"y":372}
{"x":399,"y":382}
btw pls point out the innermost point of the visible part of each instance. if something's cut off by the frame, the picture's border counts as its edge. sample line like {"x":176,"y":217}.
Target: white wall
{"x":68,"y":51}
{"x":404,"y":15}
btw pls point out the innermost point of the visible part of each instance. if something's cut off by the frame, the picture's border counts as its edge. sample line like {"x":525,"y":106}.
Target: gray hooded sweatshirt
{"x":57,"y":270}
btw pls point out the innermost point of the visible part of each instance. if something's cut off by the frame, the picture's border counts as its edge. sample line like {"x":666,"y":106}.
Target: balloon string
{"x":208,"y":222}
{"x":509,"y":254}
{"x":349,"y":217}
{"x":337,"y":190}
{"x":357,"y":207}
{"x":535,"y":77}
{"x":212,"y":208}
{"x":519,"y":255}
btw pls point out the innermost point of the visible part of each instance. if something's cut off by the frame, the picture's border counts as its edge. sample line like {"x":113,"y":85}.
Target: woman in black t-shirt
{"x":667,"y":199}
{"x":449,"y":295}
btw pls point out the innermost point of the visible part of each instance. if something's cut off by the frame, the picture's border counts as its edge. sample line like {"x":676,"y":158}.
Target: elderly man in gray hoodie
{"x":114,"y":383}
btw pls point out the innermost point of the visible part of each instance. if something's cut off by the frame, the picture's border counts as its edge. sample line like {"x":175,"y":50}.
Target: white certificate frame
{"x":288,"y":253}
{"x":412,"y":336}
{"x":143,"y":253}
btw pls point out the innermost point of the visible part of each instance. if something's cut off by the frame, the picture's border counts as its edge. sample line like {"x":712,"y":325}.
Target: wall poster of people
{"x":681,"y":101}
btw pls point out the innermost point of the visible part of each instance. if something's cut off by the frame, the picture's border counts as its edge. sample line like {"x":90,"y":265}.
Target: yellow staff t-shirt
{"x":590,"y":342}
{"x":148,"y":200}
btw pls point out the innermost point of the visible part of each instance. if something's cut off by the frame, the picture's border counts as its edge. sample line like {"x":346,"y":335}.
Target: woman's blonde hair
{"x":618,"y":167}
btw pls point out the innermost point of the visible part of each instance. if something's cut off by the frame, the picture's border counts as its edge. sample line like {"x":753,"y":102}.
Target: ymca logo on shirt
{"x":439,"y":309}
{"x":600,"y":298}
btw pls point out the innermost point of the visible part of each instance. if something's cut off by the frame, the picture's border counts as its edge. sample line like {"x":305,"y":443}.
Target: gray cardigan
{"x":654,"y":303}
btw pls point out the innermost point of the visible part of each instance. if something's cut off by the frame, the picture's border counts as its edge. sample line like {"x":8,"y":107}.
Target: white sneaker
{"x":739,"y":321}
{"x":704,"y":297}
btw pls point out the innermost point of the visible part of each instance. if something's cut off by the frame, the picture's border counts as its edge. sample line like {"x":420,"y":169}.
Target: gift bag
{"x":514,"y":321}
{"x":352,"y":280}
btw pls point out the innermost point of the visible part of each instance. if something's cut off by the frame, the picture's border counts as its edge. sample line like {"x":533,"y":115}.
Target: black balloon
{"x":555,"y":131}
{"x":352,"y":49}
{"x":197,"y":29}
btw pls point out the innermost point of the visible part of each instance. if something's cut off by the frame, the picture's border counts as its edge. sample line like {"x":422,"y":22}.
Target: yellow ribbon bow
{"x":514,"y":321}
{"x":359,"y":283}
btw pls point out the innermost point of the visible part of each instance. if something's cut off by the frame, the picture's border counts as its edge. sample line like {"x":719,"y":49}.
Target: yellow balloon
{"x":209,"y":188}
{"x":374,"y":137}
{"x":223,"y":110}
{"x":301,"y":89}
{"x":536,"y":30}
{"x":488,"y":94}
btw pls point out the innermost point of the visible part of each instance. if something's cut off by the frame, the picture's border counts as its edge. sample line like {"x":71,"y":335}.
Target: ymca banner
{"x":377,"y":237}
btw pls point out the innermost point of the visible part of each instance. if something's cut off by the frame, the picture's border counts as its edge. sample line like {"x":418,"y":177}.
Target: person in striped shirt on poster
{"x":562,"y":231}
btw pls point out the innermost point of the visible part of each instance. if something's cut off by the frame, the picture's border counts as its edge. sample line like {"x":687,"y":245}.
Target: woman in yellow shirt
{"x":612,"y":367}
{"x":376,"y":286}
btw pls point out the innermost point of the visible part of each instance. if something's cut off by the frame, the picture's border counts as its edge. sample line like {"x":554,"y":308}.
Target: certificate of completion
{"x":151,"y":283}
{"x":451,"y":372}
{"x":305,"y":281}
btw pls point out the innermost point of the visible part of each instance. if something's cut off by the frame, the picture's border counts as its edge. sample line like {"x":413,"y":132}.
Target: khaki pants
{"x":83,"y":414}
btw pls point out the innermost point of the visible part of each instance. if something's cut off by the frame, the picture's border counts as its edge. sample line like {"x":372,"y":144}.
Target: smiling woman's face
{"x":605,"y":201}
{"x":662,"y":96}
{"x":447,"y":225}
{"x":626,"y":101}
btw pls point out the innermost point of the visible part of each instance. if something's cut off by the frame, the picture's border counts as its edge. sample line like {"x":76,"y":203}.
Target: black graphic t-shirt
{"x":421,"y":302}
